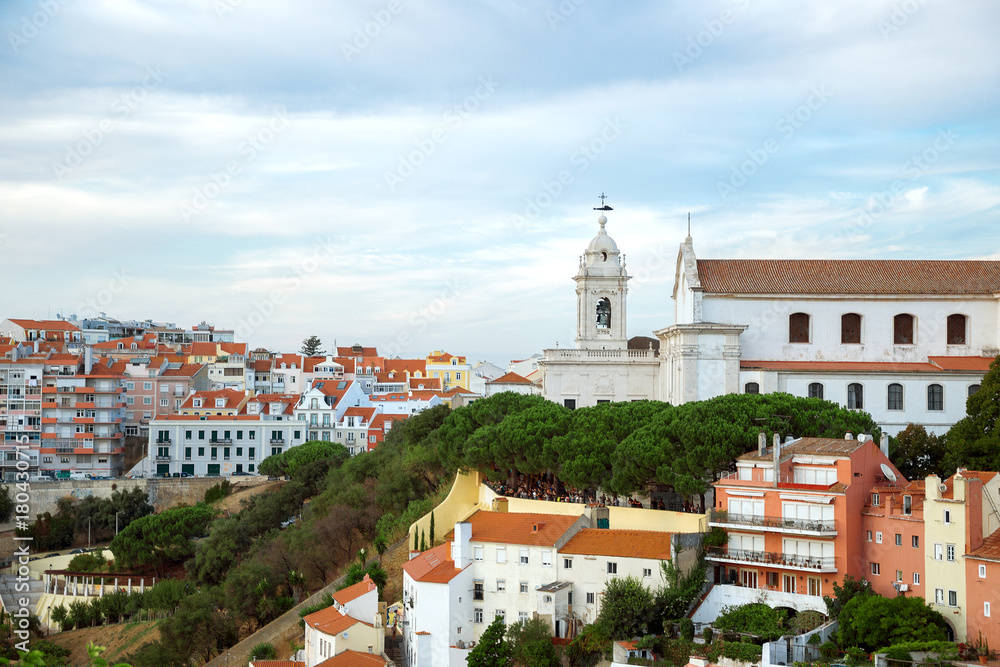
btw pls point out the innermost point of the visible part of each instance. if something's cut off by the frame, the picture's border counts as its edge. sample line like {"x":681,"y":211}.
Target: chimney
{"x":777,"y":459}
{"x":883,"y":445}
{"x":761,"y":444}
{"x":958,"y":487}
{"x":461,"y":548}
{"x":88,"y":360}
{"x":36,"y":346}
{"x":931,"y":489}
{"x":848,"y":436}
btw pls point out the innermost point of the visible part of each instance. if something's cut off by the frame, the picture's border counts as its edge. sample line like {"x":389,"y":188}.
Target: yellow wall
{"x":462,"y":500}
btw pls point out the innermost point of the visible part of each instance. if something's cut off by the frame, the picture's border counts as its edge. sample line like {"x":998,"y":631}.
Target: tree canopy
{"x":974,"y":441}
{"x":493,"y":650}
{"x":312,"y":347}
{"x":872,"y":622}
{"x":168,"y":534}
{"x":917,"y":453}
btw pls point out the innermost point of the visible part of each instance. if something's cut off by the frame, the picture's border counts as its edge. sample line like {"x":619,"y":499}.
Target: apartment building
{"x":454,"y":371}
{"x":352,"y":623}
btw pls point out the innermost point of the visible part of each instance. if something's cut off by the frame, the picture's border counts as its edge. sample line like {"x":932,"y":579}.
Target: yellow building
{"x":453,"y":371}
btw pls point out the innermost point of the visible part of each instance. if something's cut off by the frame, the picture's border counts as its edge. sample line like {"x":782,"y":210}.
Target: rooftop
{"x":619,"y":543}
{"x":518,"y":528}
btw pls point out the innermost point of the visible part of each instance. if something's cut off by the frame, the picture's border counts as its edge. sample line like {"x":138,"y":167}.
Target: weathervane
{"x":603,"y":206}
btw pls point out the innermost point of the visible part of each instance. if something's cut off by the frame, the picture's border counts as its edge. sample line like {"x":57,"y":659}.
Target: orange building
{"x":791,"y":511}
{"x":982,"y":573}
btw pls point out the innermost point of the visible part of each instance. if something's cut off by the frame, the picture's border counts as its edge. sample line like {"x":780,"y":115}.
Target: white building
{"x":511,"y":382}
{"x":518,"y":566}
{"x":352,"y":623}
{"x":905,"y":340}
{"x":325,"y":403}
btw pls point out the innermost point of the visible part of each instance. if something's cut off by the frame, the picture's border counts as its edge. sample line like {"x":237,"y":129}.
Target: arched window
{"x":973,"y":388}
{"x":855,"y":396}
{"x":313,"y":404}
{"x":604,"y":314}
{"x":902,"y":329}
{"x":894,"y":398}
{"x":798,"y":328}
{"x":935,"y":397}
{"x":815,"y":390}
{"x":956,"y":330}
{"x":751,"y":388}
{"x":850,"y":329}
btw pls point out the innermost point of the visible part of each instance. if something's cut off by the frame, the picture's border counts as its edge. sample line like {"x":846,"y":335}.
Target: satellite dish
{"x":889,"y":474}
{"x":942,"y":488}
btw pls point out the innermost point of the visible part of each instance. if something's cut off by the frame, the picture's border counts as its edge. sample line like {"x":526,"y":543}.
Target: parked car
{"x":78,"y":551}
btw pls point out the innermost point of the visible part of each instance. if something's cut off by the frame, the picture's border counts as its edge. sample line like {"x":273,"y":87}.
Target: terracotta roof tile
{"x":331,"y":621}
{"x":364,"y":586}
{"x":841,"y":366}
{"x":48,"y":325}
{"x":352,"y":658}
{"x":620,"y":543}
{"x":517,"y":528}
{"x":510,"y":378}
{"x":432,"y":566}
{"x":278,"y":663}
{"x":857,"y":276}
{"x":823,"y":446}
{"x":989,"y":549}
{"x":410,"y":366}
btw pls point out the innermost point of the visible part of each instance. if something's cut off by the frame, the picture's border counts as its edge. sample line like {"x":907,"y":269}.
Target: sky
{"x":422,"y":175}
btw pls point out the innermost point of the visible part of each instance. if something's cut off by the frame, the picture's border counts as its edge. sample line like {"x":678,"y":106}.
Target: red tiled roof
{"x":184,"y":370}
{"x":963,"y":363}
{"x":378,"y":421}
{"x":855,"y":276}
{"x":331,"y":621}
{"x":510,"y":378}
{"x":989,"y":549}
{"x":619,"y":543}
{"x":348,"y":351}
{"x":982,"y":476}
{"x":364,"y":586}
{"x":365,"y":413}
{"x":410,"y":366}
{"x":425,"y":383}
{"x":47,"y":325}
{"x":233,"y":398}
{"x":261,"y":365}
{"x":352,"y":658}
{"x":933,"y":365}
{"x":516,"y":528}
{"x":277,"y":663}
{"x":432,"y":566}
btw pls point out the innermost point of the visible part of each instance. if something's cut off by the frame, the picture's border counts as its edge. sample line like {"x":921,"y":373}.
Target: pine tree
{"x":423,"y":540}
{"x":432,"y":528}
{"x":312,"y":347}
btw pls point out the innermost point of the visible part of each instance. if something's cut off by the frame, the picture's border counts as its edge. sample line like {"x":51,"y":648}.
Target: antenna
{"x":603,"y":206}
{"x":889,"y":474}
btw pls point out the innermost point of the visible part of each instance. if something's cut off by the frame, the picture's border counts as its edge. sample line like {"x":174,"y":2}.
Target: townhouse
{"x":352,"y":623}
{"x":454,"y":371}
{"x":323,"y":405}
{"x":511,"y":382}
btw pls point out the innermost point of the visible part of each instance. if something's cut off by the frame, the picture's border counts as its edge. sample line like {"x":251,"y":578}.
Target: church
{"x":908,"y":341}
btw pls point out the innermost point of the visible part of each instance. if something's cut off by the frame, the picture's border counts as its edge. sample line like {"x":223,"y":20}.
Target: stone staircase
{"x":9,"y":595}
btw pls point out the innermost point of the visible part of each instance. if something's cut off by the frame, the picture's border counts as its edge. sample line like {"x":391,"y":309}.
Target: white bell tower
{"x":600,"y":293}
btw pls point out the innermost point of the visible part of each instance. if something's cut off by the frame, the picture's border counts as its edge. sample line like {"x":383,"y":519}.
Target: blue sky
{"x":421,"y":175}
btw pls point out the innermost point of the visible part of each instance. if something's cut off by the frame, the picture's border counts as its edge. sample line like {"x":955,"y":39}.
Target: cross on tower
{"x":603,"y":206}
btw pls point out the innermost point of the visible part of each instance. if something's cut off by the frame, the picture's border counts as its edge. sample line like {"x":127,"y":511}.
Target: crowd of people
{"x":542,"y":488}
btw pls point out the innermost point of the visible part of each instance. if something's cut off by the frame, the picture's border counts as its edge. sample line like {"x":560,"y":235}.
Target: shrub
{"x":686,"y":628}
{"x":755,"y":618}
{"x":828,"y":650}
{"x":218,"y":492}
{"x":707,"y":634}
{"x":855,"y":656}
{"x":264,"y":651}
{"x":736,"y":651}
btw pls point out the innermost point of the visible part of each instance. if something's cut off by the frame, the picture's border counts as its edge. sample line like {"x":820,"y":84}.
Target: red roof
{"x":619,"y":543}
{"x":432,"y":566}
{"x":855,"y":276}
{"x":410,"y":366}
{"x":363,"y":587}
{"x":841,"y":366}
{"x":233,"y":398}
{"x":516,"y":528}
{"x":47,"y":325}
{"x":352,"y":658}
{"x":989,"y":549}
{"x":331,"y":622}
{"x":348,"y":351}
{"x":364,"y":413}
{"x":277,"y":663}
{"x":510,"y":378}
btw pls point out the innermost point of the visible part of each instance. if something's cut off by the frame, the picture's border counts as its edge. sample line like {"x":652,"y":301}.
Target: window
{"x":772,"y":580}
{"x":938,"y":596}
{"x":899,"y":539}
{"x":916,"y":578}
{"x":876,"y":569}
{"x":187,"y":453}
{"x":950,"y":551}
{"x":147,"y":386}
{"x":798,"y":328}
{"x":590,"y":598}
{"x":875,"y":500}
{"x":546,"y":558}
{"x":569,"y":403}
{"x":956,"y":330}
{"x":501,"y":585}
{"x":567,"y":563}
{"x":907,"y":504}
{"x":501,"y":554}
{"x":604,"y":314}
{"x":523,"y":557}
{"x":815,"y":390}
{"x":915,"y":541}
{"x":751,"y":388}
{"x":947,"y":517}
{"x":878,"y":537}
{"x":902,"y":329}
{"x":647,"y":572}
{"x":612,"y":567}
{"x":477,"y":590}
{"x":855,"y":396}
{"x":899,"y":575}
{"x":935,"y":397}
{"x":869,"y":535}
{"x":986,"y":609}
{"x":164,"y":402}
{"x":201,"y":451}
{"x":814,"y":587}
{"x":982,"y":571}
{"x":938,"y":552}
{"x":952,"y":598}
{"x":524,"y":587}
{"x":894,"y":397}
{"x":850,"y":329}
{"x":478,"y":551}
{"x":501,"y":614}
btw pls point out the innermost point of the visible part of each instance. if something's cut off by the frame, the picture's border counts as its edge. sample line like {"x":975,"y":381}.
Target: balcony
{"x":162,"y":458}
{"x":163,"y":441}
{"x":771,"y":559}
{"x":774,"y":524}
{"x":221,"y":441}
{"x":277,"y":441}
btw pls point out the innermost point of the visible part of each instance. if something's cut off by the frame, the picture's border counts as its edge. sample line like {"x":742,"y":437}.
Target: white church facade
{"x":905,"y":340}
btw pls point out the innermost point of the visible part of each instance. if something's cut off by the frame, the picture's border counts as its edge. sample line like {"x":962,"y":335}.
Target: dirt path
{"x":119,"y":639}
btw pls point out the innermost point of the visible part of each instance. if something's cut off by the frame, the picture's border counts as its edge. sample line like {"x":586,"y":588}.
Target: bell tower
{"x":600,"y":292}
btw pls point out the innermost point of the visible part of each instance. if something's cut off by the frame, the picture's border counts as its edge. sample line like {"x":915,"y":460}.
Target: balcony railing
{"x":821,"y":564}
{"x":163,"y":441}
{"x":773,"y":522}
{"x":162,"y":458}
{"x":277,"y":441}
{"x":221,"y":441}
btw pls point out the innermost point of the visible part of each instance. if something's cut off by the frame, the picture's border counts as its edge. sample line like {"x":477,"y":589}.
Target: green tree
{"x":312,"y":347}
{"x":974,"y":442}
{"x":263,"y":651}
{"x":6,"y":505}
{"x":627,"y":608}
{"x":493,"y":650}
{"x":164,"y":536}
{"x":755,"y":618}
{"x":432,"y":529}
{"x":842,"y":594}
{"x":531,"y":645}
{"x":872,"y":622}
{"x":917,"y":453}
